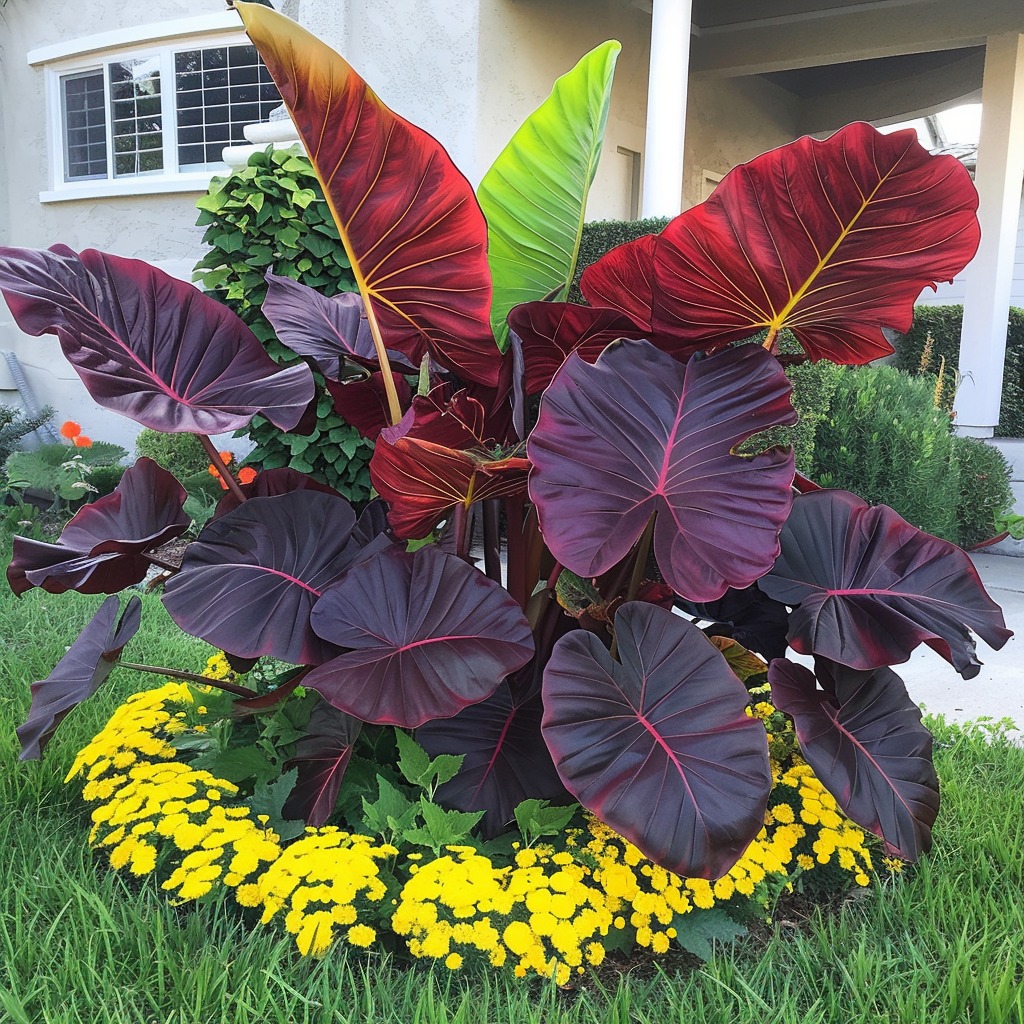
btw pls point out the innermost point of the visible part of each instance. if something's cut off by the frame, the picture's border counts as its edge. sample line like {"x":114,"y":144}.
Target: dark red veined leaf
{"x":148,"y":346}
{"x":550,"y":331}
{"x":623,"y":279}
{"x":504,"y":403}
{"x":454,"y":421}
{"x":868,"y":587}
{"x":79,"y":674}
{"x":249,"y":583}
{"x":423,"y":482}
{"x":330,"y":331}
{"x":426,"y":634}
{"x":658,"y":744}
{"x":832,"y":240}
{"x":638,"y":433}
{"x":505,"y":758}
{"x":409,"y":221}
{"x":269,"y":482}
{"x":100,"y":551}
{"x":363,"y":403}
{"x":321,"y":756}
{"x":867,"y":746}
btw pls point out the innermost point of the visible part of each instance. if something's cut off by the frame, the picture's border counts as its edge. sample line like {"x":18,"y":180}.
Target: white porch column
{"x":666,"y":108}
{"x":999,"y":178}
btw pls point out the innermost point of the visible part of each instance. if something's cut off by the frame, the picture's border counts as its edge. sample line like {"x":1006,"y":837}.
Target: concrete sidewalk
{"x":998,"y":690}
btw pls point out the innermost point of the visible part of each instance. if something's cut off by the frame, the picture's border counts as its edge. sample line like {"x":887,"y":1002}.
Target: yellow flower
{"x":453,"y":961}
{"x":361,"y":935}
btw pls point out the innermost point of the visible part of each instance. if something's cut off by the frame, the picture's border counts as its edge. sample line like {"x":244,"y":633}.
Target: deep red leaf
{"x":148,"y":346}
{"x":658,"y":744}
{"x":870,"y":587}
{"x":269,"y":482}
{"x":638,"y":433}
{"x":550,"y":331}
{"x":410,"y":222}
{"x":426,"y":635}
{"x":833,"y":240}
{"x":363,"y":403}
{"x":864,"y":739}
{"x":623,"y":279}
{"x":100,"y":549}
{"x":79,"y":674}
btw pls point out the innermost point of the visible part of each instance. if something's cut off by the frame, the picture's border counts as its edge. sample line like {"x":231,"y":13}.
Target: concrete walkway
{"x":998,"y":690}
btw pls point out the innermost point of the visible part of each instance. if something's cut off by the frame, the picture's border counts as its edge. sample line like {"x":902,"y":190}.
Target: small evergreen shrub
{"x":942,"y":324}
{"x":600,"y":236}
{"x":15,"y":424}
{"x":272,"y":215}
{"x":884,"y":440}
{"x":985,"y":494}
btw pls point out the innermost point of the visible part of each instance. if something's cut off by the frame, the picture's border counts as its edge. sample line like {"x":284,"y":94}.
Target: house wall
{"x":952,"y":294}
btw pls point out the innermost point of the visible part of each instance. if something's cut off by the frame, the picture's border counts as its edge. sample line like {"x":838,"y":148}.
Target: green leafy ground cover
{"x":79,"y":943}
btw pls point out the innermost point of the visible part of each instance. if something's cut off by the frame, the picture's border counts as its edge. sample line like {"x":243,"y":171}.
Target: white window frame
{"x":94,"y":53}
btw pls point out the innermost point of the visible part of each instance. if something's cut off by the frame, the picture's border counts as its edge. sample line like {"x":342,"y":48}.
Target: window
{"x":141,"y":117}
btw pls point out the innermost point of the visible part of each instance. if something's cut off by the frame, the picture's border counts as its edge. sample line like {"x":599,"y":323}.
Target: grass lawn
{"x":78,"y":943}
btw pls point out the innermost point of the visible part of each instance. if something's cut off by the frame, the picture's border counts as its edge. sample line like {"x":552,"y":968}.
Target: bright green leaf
{"x":535,"y":194}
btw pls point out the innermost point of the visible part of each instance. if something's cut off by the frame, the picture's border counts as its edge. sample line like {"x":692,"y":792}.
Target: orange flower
{"x":246,"y":475}
{"x":226,"y":457}
{"x":70,"y":429}
{"x":81,"y":441}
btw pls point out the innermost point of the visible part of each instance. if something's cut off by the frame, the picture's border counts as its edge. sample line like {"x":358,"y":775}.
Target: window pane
{"x":136,"y":117}
{"x":85,"y":136}
{"x":218,"y":91}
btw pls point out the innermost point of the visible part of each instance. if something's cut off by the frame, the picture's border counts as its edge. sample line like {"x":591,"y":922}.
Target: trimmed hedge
{"x":943,"y":323}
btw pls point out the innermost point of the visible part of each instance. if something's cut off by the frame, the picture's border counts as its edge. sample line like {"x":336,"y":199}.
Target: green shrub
{"x":600,"y":236}
{"x":985,"y":494}
{"x":68,"y":473}
{"x":884,"y":440}
{"x":180,"y":454}
{"x":15,"y":424}
{"x":271,"y":215}
{"x":943,"y":324}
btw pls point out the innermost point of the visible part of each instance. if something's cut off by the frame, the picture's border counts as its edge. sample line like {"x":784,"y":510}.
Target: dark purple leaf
{"x":749,"y":617}
{"x":505,"y":758}
{"x":100,"y":550}
{"x":321,"y":756}
{"x":864,"y":739}
{"x":330,"y":331}
{"x":79,"y":674}
{"x":426,"y":634}
{"x":658,"y":744}
{"x":638,"y":433}
{"x":270,"y":482}
{"x":623,"y":279}
{"x":870,"y":587}
{"x":249,"y":583}
{"x":148,"y":346}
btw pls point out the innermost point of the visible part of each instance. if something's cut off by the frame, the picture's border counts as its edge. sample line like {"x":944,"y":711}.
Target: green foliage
{"x":602,"y":235}
{"x":985,"y":495}
{"x":15,"y":424}
{"x":271,"y":215}
{"x":70,"y":474}
{"x":943,"y":324}
{"x":537,"y":819}
{"x":419,"y":770}
{"x":885,"y":441}
{"x":180,"y":454}
{"x":696,"y":933}
{"x":269,"y":798}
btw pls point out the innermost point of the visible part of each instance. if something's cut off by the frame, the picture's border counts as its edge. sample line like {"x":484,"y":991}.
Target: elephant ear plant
{"x":588,"y":453}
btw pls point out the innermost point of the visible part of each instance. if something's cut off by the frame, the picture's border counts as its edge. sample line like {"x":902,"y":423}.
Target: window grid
{"x":83,"y":107}
{"x":122,"y":120}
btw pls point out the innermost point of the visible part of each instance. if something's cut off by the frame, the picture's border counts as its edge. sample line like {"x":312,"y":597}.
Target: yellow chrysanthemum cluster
{"x":541,"y":915}
{"x":325,"y":881}
{"x":151,"y":804}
